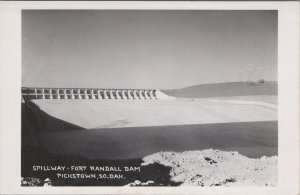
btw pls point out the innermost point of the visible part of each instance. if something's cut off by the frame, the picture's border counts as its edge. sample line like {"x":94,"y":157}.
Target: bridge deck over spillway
{"x":87,"y":93}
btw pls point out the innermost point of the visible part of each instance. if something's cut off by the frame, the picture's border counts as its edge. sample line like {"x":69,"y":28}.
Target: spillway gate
{"x":87,"y":93}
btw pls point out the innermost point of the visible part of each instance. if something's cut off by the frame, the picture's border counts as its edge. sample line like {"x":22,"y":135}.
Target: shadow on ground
{"x":252,"y":139}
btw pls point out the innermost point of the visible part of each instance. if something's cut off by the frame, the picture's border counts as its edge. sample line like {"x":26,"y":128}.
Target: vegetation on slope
{"x":226,"y":89}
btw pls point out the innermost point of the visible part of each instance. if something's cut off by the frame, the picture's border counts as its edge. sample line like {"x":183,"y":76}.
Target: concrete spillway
{"x":95,"y":114}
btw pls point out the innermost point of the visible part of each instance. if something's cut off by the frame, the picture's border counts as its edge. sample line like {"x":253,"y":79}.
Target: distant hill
{"x":226,"y":89}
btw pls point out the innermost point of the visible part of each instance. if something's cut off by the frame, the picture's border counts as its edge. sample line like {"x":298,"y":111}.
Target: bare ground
{"x":217,"y":168}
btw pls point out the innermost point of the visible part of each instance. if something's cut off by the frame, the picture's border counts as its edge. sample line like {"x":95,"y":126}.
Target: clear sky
{"x":146,"y":49}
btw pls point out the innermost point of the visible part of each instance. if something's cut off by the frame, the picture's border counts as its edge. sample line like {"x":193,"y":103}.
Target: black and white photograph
{"x":149,"y":98}
{"x":123,"y":97}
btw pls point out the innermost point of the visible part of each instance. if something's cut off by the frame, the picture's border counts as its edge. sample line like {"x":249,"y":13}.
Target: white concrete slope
{"x":163,"y":96}
{"x":95,"y":114}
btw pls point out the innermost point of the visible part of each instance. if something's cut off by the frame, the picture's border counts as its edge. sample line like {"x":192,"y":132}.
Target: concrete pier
{"x":50,"y":94}
{"x":43,"y":94}
{"x":98,"y":94}
{"x":65,"y":94}
{"x":78,"y":94}
{"x":92,"y":94}
{"x":57,"y":94}
{"x":130,"y":92}
{"x":105,"y":95}
{"x":123,"y":95}
{"x":72,"y":94}
{"x":111,"y":94}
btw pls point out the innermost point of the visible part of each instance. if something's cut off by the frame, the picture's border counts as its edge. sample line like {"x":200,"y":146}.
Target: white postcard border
{"x":288,"y":107}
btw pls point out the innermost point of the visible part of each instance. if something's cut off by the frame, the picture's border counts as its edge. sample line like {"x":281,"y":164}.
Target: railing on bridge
{"x":87,"y":93}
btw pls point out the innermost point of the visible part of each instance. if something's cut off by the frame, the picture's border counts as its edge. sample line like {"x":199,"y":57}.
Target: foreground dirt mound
{"x":217,"y":168}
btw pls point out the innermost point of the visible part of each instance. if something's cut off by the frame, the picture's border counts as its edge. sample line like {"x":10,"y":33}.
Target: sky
{"x":157,"y":49}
